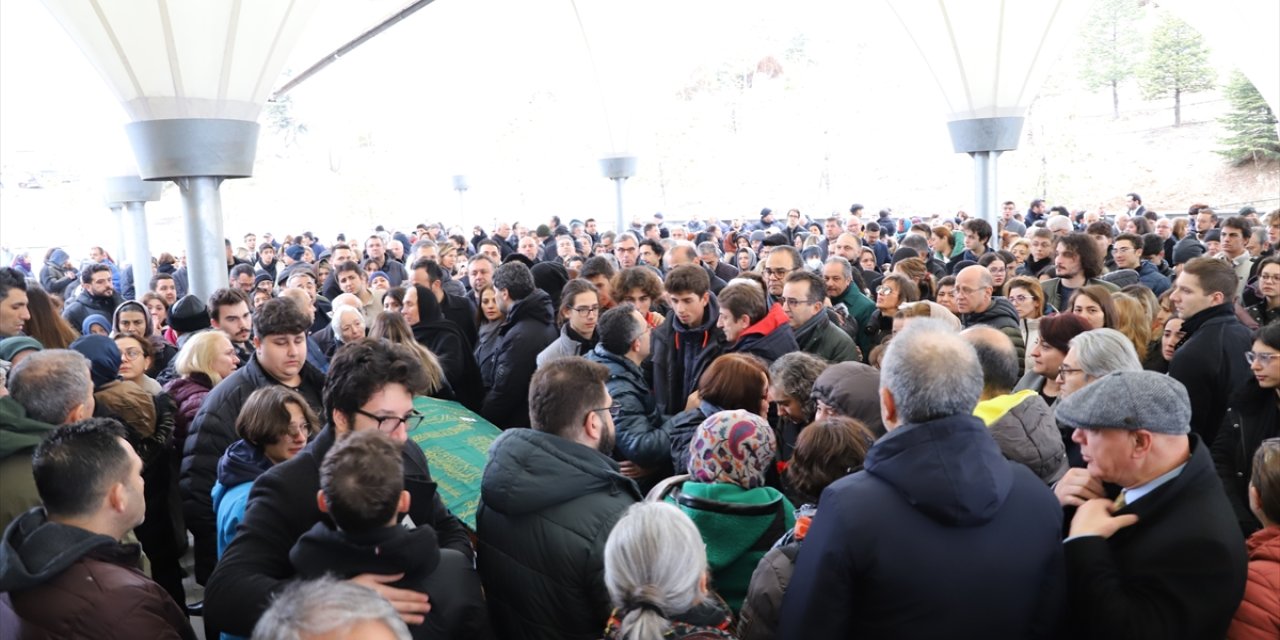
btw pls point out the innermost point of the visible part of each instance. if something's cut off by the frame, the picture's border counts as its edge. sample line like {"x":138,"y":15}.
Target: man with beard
{"x":97,"y":295}
{"x":528,"y":329}
{"x":229,"y":313}
{"x":549,"y":497}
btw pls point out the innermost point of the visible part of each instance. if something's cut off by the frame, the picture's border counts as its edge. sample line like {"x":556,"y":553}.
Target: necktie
{"x":1120,"y":502}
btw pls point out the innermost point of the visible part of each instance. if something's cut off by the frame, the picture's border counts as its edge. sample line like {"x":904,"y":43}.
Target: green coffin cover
{"x":456,"y":442}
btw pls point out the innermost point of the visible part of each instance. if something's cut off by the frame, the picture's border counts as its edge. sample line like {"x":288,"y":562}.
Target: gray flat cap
{"x":1129,"y":400}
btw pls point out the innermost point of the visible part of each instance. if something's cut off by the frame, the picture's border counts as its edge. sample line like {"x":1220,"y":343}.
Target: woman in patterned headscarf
{"x":726,"y":497}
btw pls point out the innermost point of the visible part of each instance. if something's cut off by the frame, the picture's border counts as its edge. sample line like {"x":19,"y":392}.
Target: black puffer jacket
{"x":547,"y":506}
{"x":639,"y":427}
{"x":211,"y":432}
{"x":85,"y":305}
{"x":528,"y":329}
{"x":1001,"y":316}
{"x":769,"y":339}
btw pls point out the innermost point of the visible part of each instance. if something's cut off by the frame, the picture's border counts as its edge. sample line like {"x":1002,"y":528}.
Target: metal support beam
{"x":202,"y":230}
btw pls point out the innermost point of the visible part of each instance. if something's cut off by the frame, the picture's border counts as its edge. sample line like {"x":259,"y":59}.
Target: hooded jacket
{"x":85,"y":305}
{"x":1258,"y":617}
{"x":677,"y":355}
{"x":1002,"y":316}
{"x":1023,"y":426}
{"x":212,"y":431}
{"x":237,"y":469}
{"x":738,"y":526}
{"x":770,"y":338}
{"x":457,"y":602}
{"x":881,"y":559}
{"x":19,"y":436}
{"x":642,"y":435}
{"x":821,"y":338}
{"x":66,"y":582}
{"x":528,"y":329}
{"x":1208,"y":363}
{"x":53,"y":276}
{"x":852,"y":388}
{"x":547,"y":506}
{"x":282,"y":507}
{"x":444,"y":339}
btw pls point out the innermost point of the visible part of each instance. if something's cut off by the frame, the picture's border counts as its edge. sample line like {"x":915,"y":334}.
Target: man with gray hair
{"x":709,"y":254}
{"x":47,"y":389}
{"x":1165,"y":558}
{"x":330,"y":608}
{"x":1021,"y":423}
{"x":936,"y":483}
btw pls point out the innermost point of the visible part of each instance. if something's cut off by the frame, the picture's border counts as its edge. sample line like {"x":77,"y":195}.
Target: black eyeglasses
{"x":604,"y":409}
{"x":388,"y":424}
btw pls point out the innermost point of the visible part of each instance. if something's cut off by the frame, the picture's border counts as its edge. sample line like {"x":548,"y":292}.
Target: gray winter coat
{"x":1027,"y":434}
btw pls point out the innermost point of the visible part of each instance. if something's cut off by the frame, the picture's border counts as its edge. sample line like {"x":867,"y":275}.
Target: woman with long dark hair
{"x":445,"y":340}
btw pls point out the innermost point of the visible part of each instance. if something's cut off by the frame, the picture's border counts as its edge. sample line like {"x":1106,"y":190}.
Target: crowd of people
{"x":1067,"y":425}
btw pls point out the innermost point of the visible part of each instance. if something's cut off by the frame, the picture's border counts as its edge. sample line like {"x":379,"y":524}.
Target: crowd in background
{"x":1066,"y":425}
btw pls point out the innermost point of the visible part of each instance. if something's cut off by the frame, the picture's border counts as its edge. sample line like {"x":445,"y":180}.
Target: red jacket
{"x":1259,"y":614}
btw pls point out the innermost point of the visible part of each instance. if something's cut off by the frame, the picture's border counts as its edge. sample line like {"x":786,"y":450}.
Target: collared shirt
{"x":1133,"y":494}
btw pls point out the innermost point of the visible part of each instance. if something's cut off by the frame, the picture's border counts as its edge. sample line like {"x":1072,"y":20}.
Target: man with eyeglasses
{"x":803,"y":301}
{"x":781,"y":261}
{"x":279,"y":357}
{"x":626,"y":249}
{"x":549,"y":497}
{"x":371,"y":385}
{"x":978,"y":305}
{"x":1163,"y":557}
{"x":643,"y":439}
{"x":1127,"y":252}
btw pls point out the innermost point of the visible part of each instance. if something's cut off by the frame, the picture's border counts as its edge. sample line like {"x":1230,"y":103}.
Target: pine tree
{"x":1111,"y":47}
{"x":1251,"y":124}
{"x":1177,"y":63}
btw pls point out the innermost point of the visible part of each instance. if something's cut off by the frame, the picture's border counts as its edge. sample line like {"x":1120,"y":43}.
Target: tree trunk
{"x":1115,"y":100}
{"x":1177,"y":107}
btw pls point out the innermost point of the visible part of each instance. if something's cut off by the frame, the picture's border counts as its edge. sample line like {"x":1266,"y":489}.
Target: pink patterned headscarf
{"x":732,"y":447}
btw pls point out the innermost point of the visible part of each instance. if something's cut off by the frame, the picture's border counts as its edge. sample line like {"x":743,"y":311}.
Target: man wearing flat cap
{"x":1163,"y":559}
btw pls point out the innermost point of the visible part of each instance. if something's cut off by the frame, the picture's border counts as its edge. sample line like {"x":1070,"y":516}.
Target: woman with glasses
{"x":1000,"y":264}
{"x":1056,"y":332}
{"x":1090,"y":356}
{"x":1252,"y":416}
{"x":274,"y":425}
{"x":135,"y":359}
{"x":894,"y":291}
{"x":444,"y":339}
{"x":1027,"y":297}
{"x":1267,"y":311}
{"x":579,"y":312}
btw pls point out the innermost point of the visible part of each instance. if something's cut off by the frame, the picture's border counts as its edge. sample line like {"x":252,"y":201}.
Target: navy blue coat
{"x":939,"y":537}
